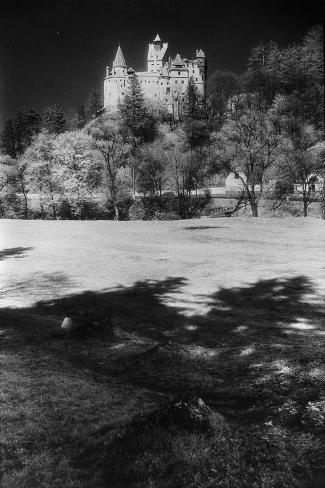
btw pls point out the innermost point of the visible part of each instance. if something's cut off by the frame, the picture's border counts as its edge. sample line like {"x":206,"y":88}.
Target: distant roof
{"x":157,"y":38}
{"x":119,"y":60}
{"x":178,"y":61}
{"x":200,"y":53}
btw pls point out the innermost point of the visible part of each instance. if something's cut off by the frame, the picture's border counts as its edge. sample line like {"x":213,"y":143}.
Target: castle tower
{"x":115,"y":83}
{"x":203,"y":68}
{"x":119,"y":64}
{"x":156,"y":55}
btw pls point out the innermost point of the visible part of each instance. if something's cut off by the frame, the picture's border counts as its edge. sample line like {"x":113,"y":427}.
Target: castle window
{"x":195,"y":79}
{"x":179,"y":73}
{"x":182,"y":82}
{"x":161,"y":83}
{"x":175,"y":82}
{"x":122,"y":93}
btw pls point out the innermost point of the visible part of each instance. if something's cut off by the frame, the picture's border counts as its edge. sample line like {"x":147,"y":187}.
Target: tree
{"x":185,"y":172}
{"x":249,"y":146}
{"x":77,"y":169}
{"x":297,"y":72}
{"x":137,"y":123}
{"x":40,"y":158}
{"x":222,"y":86}
{"x":152,"y":167}
{"x":94,"y":105}
{"x":300,"y":165}
{"x":27,"y":124}
{"x":22,"y":182}
{"x":8,"y":139}
{"x":54,"y":120}
{"x":107,"y":140}
{"x":7,"y":173}
{"x":82,"y":119}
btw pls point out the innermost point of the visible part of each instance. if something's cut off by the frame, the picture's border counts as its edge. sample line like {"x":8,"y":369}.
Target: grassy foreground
{"x":231,"y":310}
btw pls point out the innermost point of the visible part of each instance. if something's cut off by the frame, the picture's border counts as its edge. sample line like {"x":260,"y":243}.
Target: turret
{"x":156,"y":55}
{"x":201,"y":62}
{"x":115,"y":83}
{"x":119,"y":64}
{"x":157,"y":43}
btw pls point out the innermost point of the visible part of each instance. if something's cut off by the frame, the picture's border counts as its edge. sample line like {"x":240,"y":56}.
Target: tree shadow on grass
{"x":14,"y":252}
{"x":256,"y":346}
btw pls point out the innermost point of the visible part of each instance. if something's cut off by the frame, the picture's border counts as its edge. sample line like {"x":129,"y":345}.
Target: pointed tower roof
{"x":119,"y":60}
{"x":157,"y":38}
{"x":178,"y":61}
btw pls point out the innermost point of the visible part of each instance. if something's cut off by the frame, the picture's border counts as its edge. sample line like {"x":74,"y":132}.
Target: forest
{"x":265,"y":125}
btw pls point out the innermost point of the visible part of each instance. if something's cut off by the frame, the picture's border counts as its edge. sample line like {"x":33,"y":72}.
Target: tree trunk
{"x":322,"y":202}
{"x":25,"y":205}
{"x":114,"y":201}
{"x":253,"y":203}
{"x":254,"y":209}
{"x":305,"y":208}
{"x":133,"y":180}
{"x":116,"y":211}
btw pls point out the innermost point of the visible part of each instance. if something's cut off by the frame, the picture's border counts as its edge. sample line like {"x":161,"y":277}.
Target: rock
{"x":192,"y":415}
{"x":67,"y":324}
{"x":88,"y":322}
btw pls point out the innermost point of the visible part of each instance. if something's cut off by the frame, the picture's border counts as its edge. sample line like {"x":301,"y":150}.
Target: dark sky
{"x":55,"y":51}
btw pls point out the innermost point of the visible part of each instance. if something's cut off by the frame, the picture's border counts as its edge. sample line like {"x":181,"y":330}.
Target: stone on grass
{"x":67,"y":324}
{"x":87,"y":323}
{"x":192,"y":415}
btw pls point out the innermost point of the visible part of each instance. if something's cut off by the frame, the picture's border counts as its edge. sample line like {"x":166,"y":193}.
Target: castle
{"x":165,"y":81}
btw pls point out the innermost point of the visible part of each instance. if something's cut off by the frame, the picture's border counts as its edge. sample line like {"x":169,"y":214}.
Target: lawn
{"x":230,"y":310}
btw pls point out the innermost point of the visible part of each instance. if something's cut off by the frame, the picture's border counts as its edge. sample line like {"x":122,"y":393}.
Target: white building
{"x":165,"y":80}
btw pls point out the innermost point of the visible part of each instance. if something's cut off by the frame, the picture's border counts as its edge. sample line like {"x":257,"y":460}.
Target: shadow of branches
{"x":14,"y":252}
{"x":256,"y":346}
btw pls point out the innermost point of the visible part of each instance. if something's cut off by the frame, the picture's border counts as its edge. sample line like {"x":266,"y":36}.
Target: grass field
{"x":231,"y":310}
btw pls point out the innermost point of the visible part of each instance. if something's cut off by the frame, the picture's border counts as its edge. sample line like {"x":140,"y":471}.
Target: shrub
{"x":137,"y":211}
{"x":288,"y":412}
{"x":314,"y":416}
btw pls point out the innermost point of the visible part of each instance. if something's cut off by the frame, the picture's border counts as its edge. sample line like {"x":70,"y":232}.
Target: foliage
{"x":299,"y":164}
{"x":137,"y":122}
{"x":77,"y":169}
{"x":27,"y":124}
{"x":265,"y":125}
{"x":249,"y":146}
{"x":222,"y":86}
{"x":41,"y":160}
{"x":8,"y":141}
{"x":54,"y":120}
{"x":108,"y":142}
{"x":137,"y":211}
{"x":314,"y":416}
{"x":151,"y":172}
{"x":94,"y":105}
